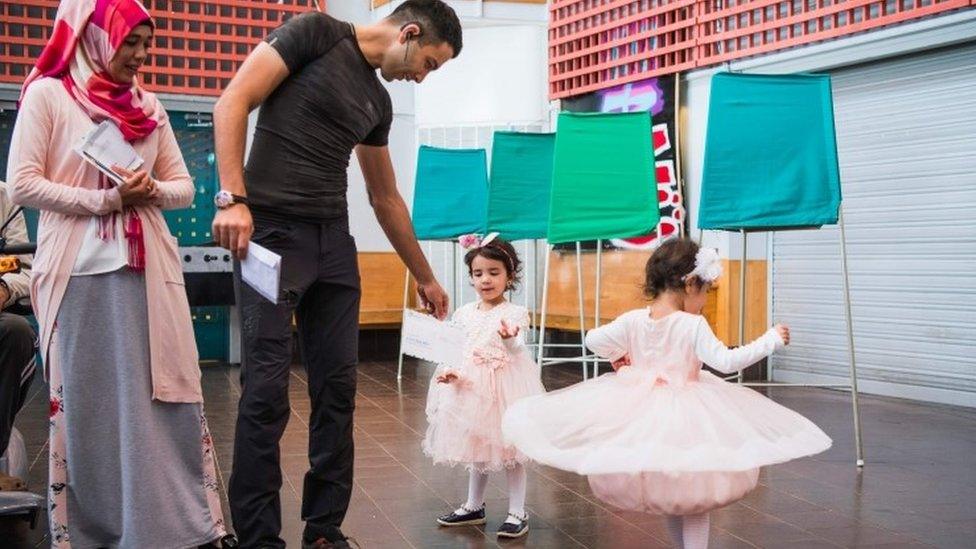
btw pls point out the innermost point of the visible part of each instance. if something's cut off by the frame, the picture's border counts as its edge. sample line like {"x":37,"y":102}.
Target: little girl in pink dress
{"x":466,"y":403}
{"x":660,"y":435}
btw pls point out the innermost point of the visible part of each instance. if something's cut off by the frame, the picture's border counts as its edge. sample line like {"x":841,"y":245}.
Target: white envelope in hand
{"x":427,"y":338}
{"x":261,"y":270}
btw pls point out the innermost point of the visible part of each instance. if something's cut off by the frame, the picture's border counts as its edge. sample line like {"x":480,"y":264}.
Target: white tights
{"x":478,"y":483}
{"x":689,"y":531}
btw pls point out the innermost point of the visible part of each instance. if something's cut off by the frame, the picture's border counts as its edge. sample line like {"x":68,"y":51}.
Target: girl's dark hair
{"x":668,"y":266}
{"x":499,"y":250}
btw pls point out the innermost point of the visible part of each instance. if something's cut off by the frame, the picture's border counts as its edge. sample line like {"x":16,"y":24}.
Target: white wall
{"x":403,"y":151}
{"x":354,"y":11}
{"x":500,"y":76}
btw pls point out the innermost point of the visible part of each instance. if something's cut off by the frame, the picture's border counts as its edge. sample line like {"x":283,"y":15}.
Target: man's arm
{"x":394,"y":218}
{"x":259,"y":75}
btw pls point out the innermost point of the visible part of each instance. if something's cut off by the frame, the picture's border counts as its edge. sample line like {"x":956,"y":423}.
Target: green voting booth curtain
{"x":521,"y":177}
{"x":770,"y":153}
{"x":450,"y":193}
{"x":603,"y":182}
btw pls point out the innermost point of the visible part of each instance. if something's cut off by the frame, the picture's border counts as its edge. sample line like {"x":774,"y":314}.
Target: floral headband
{"x":475,"y":241}
{"x":471,"y":241}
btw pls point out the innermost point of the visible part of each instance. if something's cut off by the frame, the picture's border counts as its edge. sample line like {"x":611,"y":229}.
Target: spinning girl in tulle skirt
{"x":465,"y":405}
{"x":660,"y":435}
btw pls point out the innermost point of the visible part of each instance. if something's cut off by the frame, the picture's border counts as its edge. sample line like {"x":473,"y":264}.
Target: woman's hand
{"x":139,"y":189}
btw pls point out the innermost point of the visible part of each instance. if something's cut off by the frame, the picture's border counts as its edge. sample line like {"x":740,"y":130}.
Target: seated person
{"x":17,"y":338}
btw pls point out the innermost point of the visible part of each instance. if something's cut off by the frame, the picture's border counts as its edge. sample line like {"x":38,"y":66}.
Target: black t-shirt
{"x":331,"y":101}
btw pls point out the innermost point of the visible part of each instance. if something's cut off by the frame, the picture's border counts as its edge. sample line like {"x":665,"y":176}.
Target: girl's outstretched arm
{"x":713,"y":352}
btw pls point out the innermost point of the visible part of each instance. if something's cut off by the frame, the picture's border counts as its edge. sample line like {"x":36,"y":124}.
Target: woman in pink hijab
{"x":131,"y":459}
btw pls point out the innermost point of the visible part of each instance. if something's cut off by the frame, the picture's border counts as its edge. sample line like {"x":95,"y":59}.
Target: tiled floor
{"x":918,"y":488}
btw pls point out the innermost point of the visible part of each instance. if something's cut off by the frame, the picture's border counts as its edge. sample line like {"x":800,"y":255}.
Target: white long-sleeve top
{"x":674,"y":347}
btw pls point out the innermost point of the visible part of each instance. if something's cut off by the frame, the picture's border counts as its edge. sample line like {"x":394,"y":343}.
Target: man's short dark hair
{"x":437,"y":20}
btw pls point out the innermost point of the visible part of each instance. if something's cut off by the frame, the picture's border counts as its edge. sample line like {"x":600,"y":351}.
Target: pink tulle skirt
{"x":661,"y":448}
{"x":465,"y":416}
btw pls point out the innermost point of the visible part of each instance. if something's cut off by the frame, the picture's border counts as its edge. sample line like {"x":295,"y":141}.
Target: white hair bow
{"x":708,"y":265}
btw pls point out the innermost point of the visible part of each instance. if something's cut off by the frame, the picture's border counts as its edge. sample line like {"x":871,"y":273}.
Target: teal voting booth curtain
{"x":450,"y":193}
{"x":521,"y":178}
{"x":603,"y":181}
{"x":770,"y":153}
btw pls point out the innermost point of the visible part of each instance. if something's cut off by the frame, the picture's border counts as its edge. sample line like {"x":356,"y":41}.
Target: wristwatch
{"x":224,"y":199}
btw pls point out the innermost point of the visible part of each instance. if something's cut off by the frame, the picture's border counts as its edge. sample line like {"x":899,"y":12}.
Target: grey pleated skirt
{"x":126,"y":471}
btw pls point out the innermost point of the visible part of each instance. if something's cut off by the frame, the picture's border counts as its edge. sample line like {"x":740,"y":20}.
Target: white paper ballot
{"x":427,"y":338}
{"x":261,"y":269}
{"x":104,"y":147}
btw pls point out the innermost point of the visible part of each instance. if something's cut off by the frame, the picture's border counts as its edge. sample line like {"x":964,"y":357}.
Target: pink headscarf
{"x":87,"y":33}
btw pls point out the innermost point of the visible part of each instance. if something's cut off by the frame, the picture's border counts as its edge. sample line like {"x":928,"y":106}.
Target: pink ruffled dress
{"x":465,"y":416}
{"x":663,"y":436}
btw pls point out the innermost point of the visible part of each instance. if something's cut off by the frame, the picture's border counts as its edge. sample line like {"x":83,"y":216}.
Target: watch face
{"x":223,"y":199}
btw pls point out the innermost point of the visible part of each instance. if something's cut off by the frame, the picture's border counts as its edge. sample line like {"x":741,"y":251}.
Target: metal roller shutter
{"x":906,"y":132}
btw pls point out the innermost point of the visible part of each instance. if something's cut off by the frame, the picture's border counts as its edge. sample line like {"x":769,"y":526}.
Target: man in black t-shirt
{"x":316,"y":83}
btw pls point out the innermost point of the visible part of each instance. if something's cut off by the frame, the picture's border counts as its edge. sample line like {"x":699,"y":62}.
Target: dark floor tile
{"x":394,"y":470}
{"x":430,"y":535}
{"x":906,"y":545}
{"x":765,"y":497}
{"x":859,"y":535}
{"x":538,"y":538}
{"x":608,"y":526}
{"x":816,"y":519}
{"x":738,"y":514}
{"x":812,"y":543}
{"x":622,"y":541}
{"x":724,"y":540}
{"x":768,"y":533}
{"x":572,"y":511}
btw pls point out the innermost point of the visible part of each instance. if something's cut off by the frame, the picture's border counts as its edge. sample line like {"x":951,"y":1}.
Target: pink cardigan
{"x":45,"y":173}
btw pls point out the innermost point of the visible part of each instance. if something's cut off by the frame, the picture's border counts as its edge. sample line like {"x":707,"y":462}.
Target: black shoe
{"x":227,"y":542}
{"x":322,"y":543}
{"x":510,"y":530}
{"x":340,"y":542}
{"x":471,"y":517}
